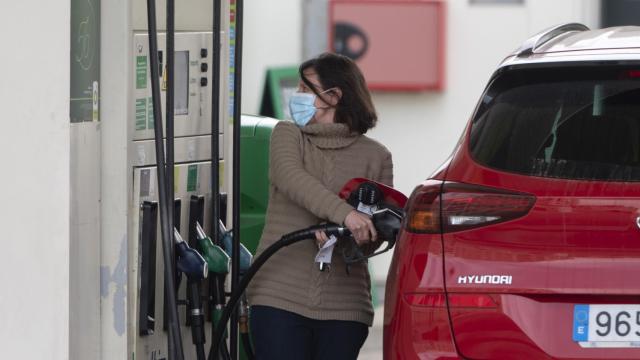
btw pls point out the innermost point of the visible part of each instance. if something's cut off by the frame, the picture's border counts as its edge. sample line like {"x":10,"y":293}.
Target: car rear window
{"x":561,"y":122}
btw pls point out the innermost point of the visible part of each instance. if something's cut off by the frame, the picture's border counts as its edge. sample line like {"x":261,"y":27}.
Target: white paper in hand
{"x":324,"y":254}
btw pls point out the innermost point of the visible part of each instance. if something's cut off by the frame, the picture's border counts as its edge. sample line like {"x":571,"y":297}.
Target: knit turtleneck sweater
{"x":308,"y":167}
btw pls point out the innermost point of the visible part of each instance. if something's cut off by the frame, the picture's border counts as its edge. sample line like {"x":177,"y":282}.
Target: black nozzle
{"x":387,"y":222}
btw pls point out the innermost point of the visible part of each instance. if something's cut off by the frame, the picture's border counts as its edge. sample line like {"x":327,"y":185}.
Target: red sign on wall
{"x":398,"y":44}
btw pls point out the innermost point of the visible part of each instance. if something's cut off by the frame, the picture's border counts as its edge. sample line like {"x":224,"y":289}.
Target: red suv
{"x":525,"y":244}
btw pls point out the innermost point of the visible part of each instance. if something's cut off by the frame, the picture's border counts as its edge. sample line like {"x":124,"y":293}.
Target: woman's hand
{"x":359,"y":224}
{"x":321,"y":238}
{"x":361,"y":227}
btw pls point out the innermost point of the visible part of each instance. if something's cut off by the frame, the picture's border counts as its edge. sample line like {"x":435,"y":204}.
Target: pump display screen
{"x":181,"y":81}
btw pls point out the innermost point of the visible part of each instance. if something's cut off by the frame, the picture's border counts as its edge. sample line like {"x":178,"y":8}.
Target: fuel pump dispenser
{"x":185,"y":70}
{"x":174,"y":339}
{"x":137,"y":308}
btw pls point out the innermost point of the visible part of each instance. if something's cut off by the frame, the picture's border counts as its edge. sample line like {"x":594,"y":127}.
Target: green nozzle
{"x":216,"y":258}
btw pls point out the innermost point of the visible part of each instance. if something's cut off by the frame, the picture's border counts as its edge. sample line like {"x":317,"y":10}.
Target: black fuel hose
{"x":197,"y":318}
{"x":175,"y":339}
{"x":285,"y":240}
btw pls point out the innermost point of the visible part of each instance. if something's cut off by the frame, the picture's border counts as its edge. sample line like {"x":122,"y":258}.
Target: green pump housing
{"x":255,"y":135}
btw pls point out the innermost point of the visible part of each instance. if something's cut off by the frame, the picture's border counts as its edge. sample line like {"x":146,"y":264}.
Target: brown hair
{"x":355,"y":108}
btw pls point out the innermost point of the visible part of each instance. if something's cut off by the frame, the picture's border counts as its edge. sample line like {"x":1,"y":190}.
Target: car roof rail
{"x":534,"y":42}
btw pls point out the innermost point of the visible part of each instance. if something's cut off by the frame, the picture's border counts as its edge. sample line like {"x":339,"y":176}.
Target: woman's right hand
{"x":361,"y":227}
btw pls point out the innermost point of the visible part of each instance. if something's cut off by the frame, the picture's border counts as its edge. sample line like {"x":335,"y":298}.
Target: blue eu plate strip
{"x":581,"y":323}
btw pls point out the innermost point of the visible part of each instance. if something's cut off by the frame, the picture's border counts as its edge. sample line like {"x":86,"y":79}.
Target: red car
{"x":525,"y":244}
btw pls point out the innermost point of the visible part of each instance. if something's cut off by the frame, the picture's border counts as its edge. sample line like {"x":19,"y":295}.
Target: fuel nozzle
{"x":384,"y":204}
{"x":387,"y":222}
{"x":188,"y":260}
{"x":217,"y":258}
{"x":245,"y":254}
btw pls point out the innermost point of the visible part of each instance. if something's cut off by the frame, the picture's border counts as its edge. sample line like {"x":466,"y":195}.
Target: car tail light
{"x":468,"y":206}
{"x":423,"y":208}
{"x":449,"y":207}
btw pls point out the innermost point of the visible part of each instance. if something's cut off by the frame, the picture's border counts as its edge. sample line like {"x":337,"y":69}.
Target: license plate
{"x":606,"y":325}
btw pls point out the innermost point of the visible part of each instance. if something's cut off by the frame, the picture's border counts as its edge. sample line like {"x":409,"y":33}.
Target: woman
{"x":299,"y":312}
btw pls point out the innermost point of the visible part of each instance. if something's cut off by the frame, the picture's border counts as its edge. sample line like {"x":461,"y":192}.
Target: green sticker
{"x":150,"y":114}
{"x":141,"y":72}
{"x":141,"y":114}
{"x":192,"y":177}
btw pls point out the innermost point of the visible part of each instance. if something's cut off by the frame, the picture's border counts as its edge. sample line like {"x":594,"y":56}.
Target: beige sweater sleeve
{"x":386,"y":173}
{"x":288,"y":175}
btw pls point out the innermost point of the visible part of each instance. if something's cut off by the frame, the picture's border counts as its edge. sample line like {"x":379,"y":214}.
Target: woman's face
{"x":325,"y":102}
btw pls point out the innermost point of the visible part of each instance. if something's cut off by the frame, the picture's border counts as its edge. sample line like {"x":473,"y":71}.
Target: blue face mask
{"x":302,"y":108}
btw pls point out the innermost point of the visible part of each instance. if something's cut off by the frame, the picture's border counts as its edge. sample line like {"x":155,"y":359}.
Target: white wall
{"x":272,"y":37}
{"x":34,"y":152}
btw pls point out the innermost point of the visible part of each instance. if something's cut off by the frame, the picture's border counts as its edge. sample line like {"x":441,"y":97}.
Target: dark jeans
{"x":281,"y":335}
